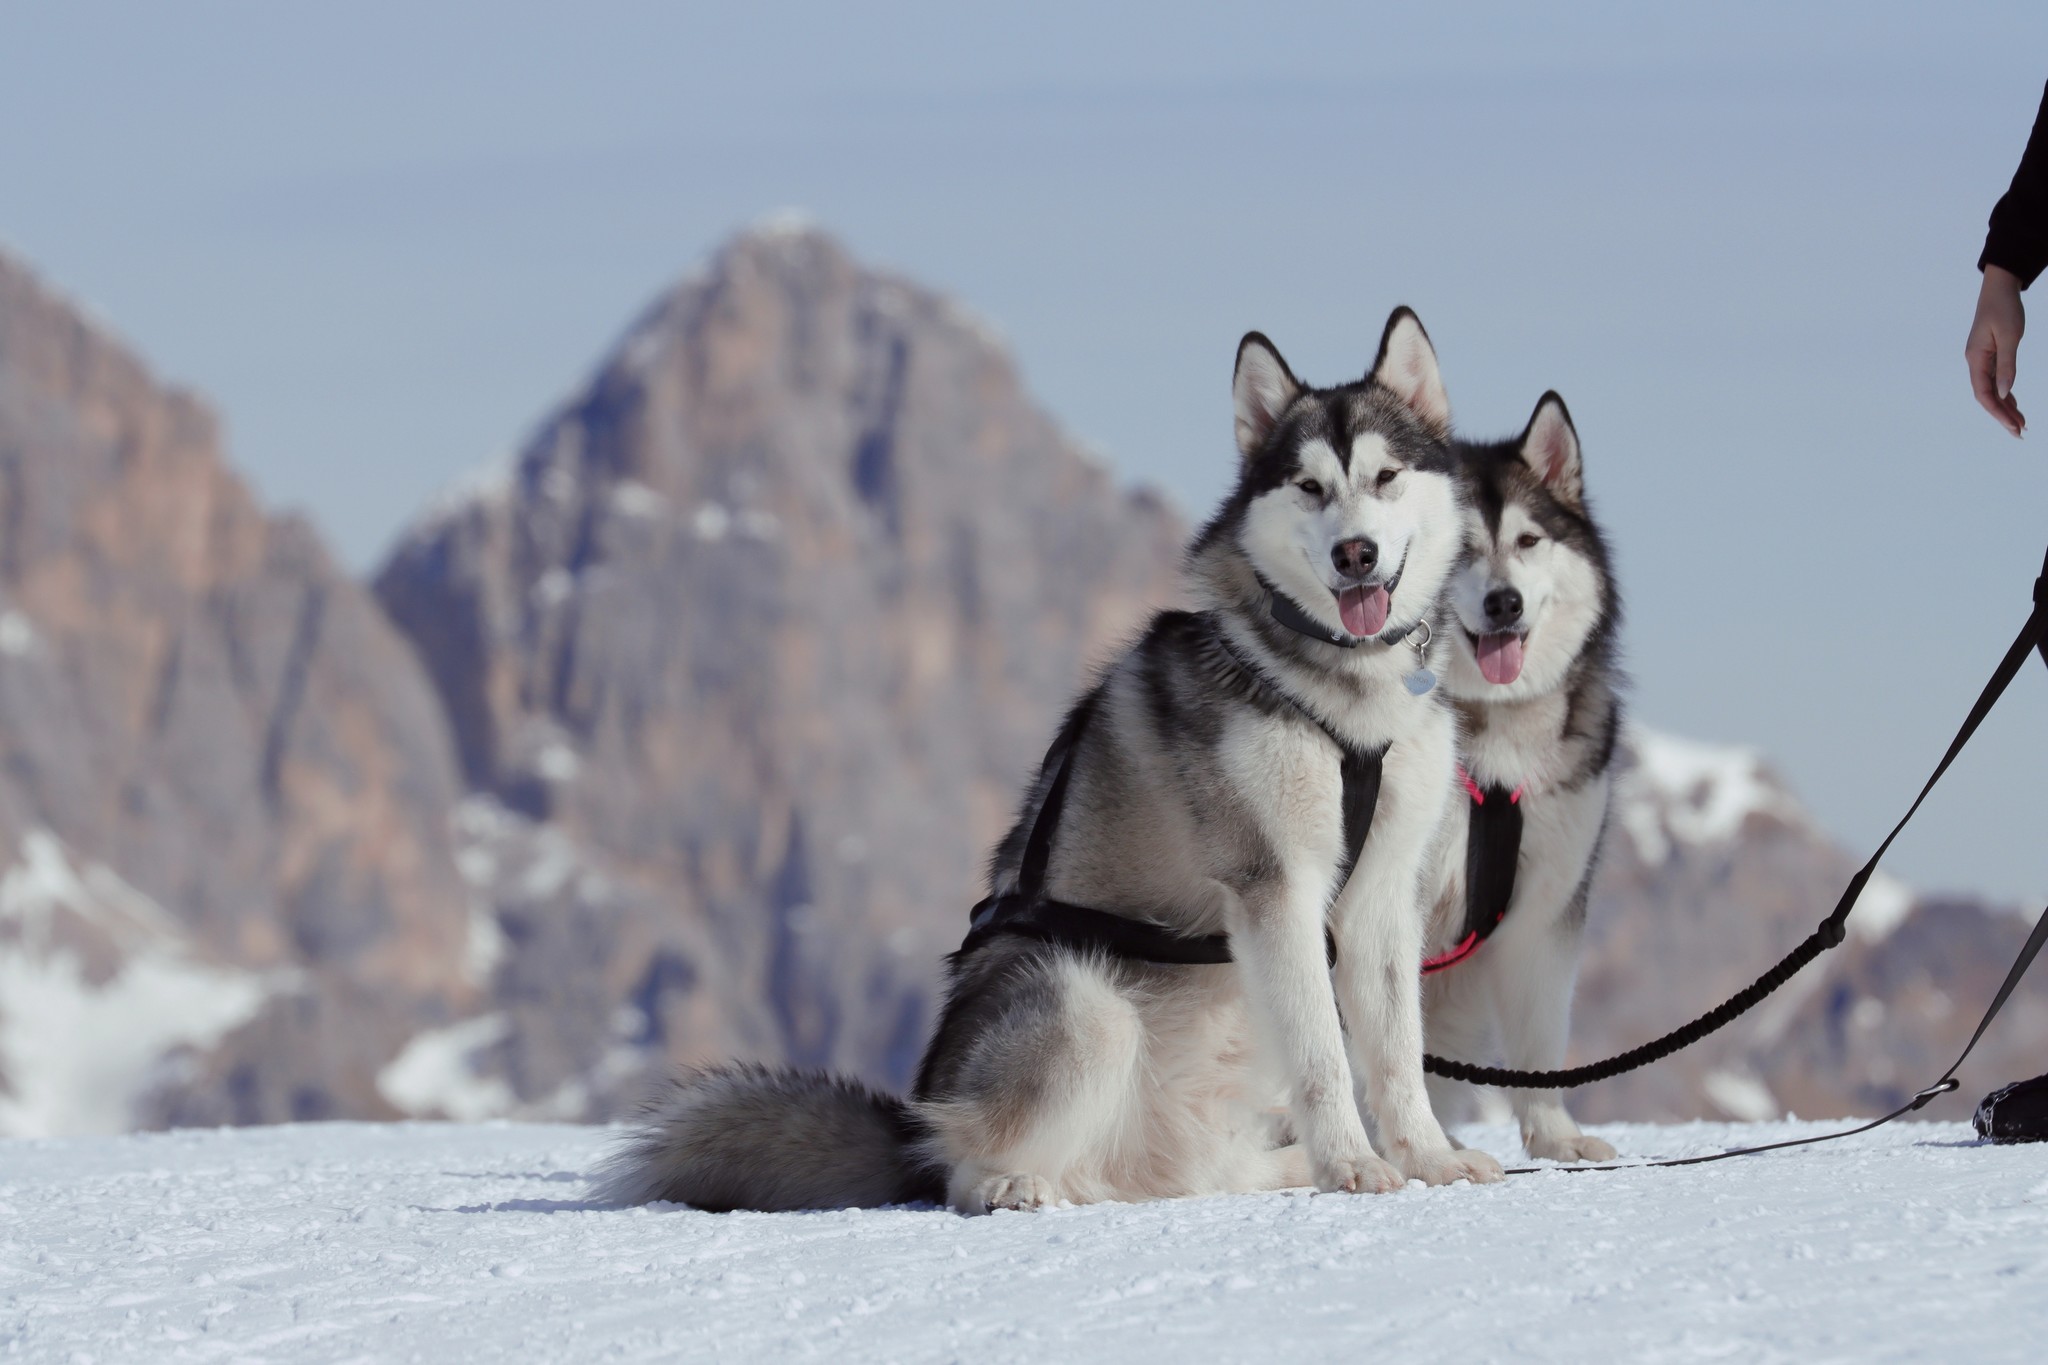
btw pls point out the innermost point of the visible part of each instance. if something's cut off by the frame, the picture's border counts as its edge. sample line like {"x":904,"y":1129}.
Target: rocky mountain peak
{"x":223,"y":779}
{"x":768,"y":622}
{"x":144,"y":491}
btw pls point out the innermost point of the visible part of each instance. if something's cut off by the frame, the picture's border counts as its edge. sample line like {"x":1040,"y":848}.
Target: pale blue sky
{"x":1739,"y":238}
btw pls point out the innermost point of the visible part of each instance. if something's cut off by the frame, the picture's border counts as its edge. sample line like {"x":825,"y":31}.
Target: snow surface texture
{"x":448,"y":1242}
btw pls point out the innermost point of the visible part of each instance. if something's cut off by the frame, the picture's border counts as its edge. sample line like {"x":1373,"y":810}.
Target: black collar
{"x":1287,"y":612}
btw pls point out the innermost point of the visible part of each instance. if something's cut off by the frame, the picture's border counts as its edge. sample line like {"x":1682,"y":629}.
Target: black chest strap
{"x":1493,"y":847}
{"x":1078,"y":926}
{"x":1028,"y":913}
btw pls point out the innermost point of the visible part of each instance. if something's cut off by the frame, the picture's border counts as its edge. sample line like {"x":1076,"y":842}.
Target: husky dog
{"x":1534,"y":677}
{"x":1199,"y":789}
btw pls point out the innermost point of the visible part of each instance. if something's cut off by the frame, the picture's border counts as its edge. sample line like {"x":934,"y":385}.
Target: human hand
{"x":1993,"y":348}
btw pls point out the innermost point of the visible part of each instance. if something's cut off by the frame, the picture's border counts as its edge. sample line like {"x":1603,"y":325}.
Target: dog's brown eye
{"x":1528,"y":540}
{"x":1310,"y":487}
{"x":1387,"y":476}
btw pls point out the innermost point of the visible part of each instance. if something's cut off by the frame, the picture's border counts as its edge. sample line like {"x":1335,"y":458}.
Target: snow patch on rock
{"x":485,"y":945}
{"x":631,"y":498}
{"x":17,"y":635}
{"x":488,"y":485}
{"x":643,"y":348}
{"x":557,"y":762}
{"x":554,"y":587}
{"x":98,"y":986}
{"x":784,"y":225}
{"x":436,"y":1075}
{"x":1684,"y":793}
{"x":1741,"y":1096}
{"x":1883,"y":906}
{"x":711,"y":522}
{"x":983,"y":330}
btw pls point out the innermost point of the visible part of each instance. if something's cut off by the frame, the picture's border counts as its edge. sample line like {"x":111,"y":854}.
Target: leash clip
{"x":1941,"y":1087}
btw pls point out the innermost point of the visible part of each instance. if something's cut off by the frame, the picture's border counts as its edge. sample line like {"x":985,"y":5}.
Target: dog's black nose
{"x":1355,"y":558}
{"x":1503,"y":607}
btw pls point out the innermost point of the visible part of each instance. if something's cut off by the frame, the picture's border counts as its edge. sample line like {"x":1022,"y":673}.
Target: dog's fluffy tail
{"x":747,"y":1137}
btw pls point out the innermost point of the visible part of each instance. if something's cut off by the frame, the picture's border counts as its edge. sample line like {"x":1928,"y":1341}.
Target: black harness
{"x":1493,"y":847}
{"x":1028,"y":913}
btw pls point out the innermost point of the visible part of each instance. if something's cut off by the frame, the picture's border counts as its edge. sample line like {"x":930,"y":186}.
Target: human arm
{"x":1993,"y":348}
{"x":2015,"y":253}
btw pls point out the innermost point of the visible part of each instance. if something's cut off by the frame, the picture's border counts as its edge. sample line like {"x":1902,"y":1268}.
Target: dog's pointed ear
{"x":1550,"y":446}
{"x":1407,"y":365}
{"x":1260,"y":390}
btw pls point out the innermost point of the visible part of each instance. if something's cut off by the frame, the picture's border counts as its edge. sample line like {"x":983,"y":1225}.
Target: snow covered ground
{"x":442,"y":1243}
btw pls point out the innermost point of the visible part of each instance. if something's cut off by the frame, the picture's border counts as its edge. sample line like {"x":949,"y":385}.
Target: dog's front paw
{"x":1360,"y":1174}
{"x":1577,"y":1147}
{"x":1447,"y":1167}
{"x":1014,"y":1191}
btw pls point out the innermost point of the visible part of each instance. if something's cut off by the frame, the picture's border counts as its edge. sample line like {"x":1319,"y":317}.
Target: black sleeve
{"x":2018,"y":240}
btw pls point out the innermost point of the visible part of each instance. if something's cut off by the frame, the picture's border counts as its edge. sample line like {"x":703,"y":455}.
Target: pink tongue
{"x":1500,"y":657}
{"x":1364,"y":610}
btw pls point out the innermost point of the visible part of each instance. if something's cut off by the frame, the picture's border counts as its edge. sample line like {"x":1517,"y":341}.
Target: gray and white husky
{"x":1533,"y":674}
{"x":1200,"y":792}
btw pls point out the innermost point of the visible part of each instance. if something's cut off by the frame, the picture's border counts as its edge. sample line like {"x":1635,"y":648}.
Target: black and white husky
{"x":1201,"y":789}
{"x":1533,"y":675}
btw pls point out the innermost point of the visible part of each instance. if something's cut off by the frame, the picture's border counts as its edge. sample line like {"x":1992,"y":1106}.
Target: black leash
{"x":1947,"y":1083}
{"x":1831,"y":932}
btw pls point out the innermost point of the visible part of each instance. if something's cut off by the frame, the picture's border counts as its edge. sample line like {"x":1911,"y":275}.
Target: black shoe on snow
{"x":2016,"y":1113}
